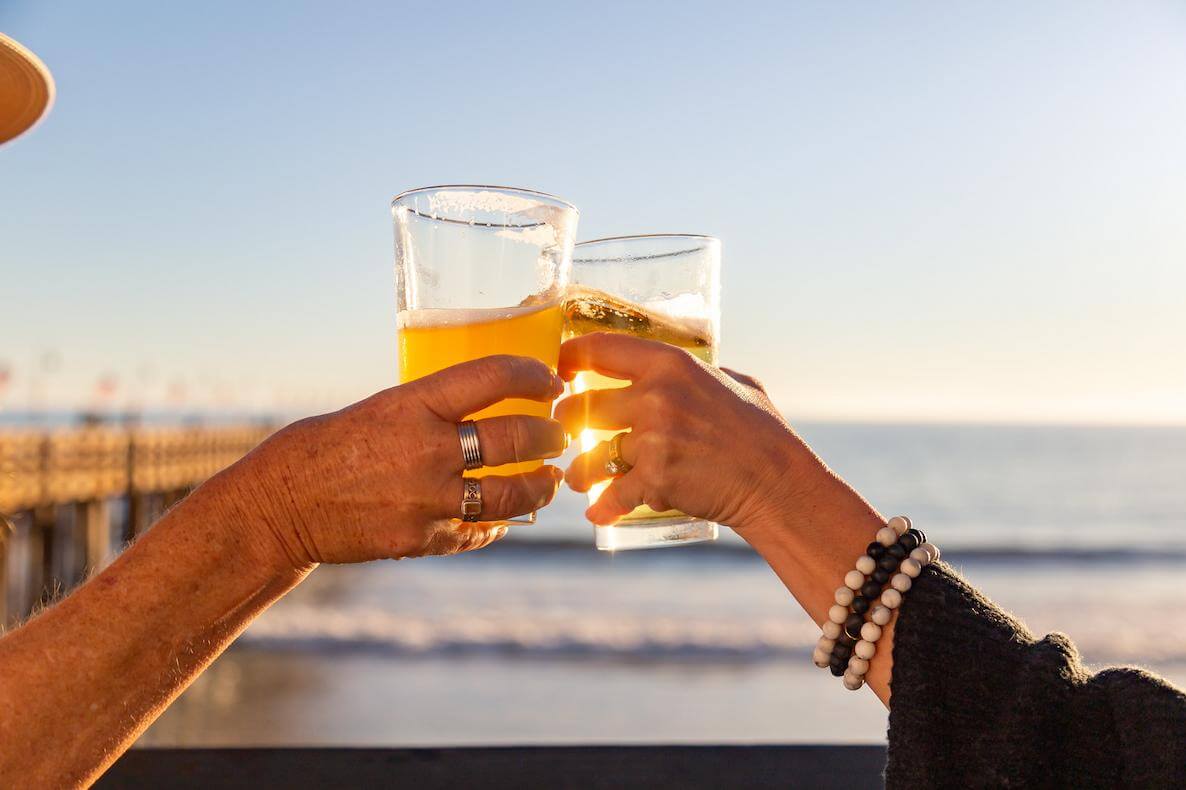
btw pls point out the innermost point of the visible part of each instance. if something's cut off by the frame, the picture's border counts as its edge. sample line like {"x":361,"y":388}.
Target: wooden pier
{"x":71,"y":498}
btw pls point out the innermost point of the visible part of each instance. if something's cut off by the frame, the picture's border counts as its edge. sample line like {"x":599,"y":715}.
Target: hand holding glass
{"x":664,"y":288}
{"x":481,"y":271}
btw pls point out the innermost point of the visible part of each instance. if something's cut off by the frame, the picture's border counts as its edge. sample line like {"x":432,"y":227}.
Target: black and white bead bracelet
{"x":897,"y":556}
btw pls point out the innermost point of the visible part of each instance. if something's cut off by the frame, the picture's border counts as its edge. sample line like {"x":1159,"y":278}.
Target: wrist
{"x":783,"y":487}
{"x":238,"y":505}
{"x":810,"y":516}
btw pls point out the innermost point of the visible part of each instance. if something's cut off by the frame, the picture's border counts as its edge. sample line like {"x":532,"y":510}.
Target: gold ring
{"x":471,"y":500}
{"x":615,"y":465}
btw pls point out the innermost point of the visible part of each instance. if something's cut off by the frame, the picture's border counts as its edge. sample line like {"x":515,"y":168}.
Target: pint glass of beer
{"x":663,"y":288}
{"x":481,"y":270}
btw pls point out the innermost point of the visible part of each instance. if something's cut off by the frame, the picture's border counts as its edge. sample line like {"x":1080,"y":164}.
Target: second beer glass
{"x":664,"y":288}
{"x":481,"y":270}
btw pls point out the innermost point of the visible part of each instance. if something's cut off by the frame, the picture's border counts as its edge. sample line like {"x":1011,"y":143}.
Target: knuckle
{"x":679,"y":361}
{"x":520,"y":436}
{"x":513,"y":368}
{"x":652,"y":449}
{"x":747,"y":380}
{"x":555,"y":435}
{"x":433,"y":392}
{"x":655,"y":476}
{"x":655,"y":399}
{"x":498,"y":370}
{"x":666,"y":398}
{"x":499,"y":440}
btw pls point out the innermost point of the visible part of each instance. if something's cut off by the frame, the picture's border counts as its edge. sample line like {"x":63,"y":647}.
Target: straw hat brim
{"x":26,"y":89}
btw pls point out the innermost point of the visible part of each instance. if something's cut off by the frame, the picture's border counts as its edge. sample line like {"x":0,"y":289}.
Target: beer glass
{"x":481,"y":270}
{"x":663,"y":287}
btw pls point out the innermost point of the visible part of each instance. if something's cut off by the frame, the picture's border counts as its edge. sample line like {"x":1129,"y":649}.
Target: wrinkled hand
{"x":704,"y":441}
{"x":383,"y":478}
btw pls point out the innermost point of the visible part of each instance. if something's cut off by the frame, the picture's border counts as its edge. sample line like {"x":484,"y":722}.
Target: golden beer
{"x":433,"y":339}
{"x":591,"y":310}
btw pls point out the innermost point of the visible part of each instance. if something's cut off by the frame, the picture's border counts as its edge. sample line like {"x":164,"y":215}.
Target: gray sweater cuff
{"x":977,"y":700}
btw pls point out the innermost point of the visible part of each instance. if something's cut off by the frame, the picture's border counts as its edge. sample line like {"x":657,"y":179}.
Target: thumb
{"x":461,"y":390}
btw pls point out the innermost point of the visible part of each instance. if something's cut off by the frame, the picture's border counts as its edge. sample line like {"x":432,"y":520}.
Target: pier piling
{"x":71,"y":498}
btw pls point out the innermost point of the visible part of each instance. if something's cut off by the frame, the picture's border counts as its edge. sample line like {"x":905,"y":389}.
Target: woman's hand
{"x":704,"y":441}
{"x":710,"y":443}
{"x":383,"y":478}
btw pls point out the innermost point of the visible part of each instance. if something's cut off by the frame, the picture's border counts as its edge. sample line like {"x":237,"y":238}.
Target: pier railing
{"x":852,"y":767}
{"x":71,"y":498}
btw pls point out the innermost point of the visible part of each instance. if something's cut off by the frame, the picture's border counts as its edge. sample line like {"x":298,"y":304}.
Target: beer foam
{"x":681,"y":316}
{"x":692,"y":323}
{"x":526,"y":219}
{"x":435,"y":317}
{"x":457,"y":202}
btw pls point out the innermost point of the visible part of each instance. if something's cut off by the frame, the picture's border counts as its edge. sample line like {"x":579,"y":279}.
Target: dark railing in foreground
{"x":71,"y":498}
{"x":683,"y":767}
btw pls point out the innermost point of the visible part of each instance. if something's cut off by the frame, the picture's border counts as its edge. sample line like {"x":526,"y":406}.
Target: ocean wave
{"x":588,"y":637}
{"x":1065,"y":554}
{"x":377,"y":631}
{"x":953,"y":552}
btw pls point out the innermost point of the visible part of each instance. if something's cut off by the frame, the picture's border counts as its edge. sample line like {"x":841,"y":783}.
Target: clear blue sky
{"x":929,"y":210}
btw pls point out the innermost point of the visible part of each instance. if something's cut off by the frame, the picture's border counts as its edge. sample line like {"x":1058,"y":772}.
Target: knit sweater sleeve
{"x":977,"y":700}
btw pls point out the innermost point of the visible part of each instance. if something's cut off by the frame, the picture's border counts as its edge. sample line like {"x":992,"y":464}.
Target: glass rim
{"x":703,"y":236}
{"x":543,"y":197}
{"x":712,"y":243}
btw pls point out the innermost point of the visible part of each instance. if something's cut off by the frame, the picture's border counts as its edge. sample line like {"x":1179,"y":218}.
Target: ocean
{"x":542,"y":639}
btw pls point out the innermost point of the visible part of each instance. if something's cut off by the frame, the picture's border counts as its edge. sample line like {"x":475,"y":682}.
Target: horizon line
{"x":115,"y":414}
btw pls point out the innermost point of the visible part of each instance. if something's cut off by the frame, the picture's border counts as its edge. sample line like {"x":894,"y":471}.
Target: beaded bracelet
{"x":897,"y":555}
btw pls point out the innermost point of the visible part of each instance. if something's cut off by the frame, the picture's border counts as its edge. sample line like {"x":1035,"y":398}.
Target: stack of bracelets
{"x":897,"y":556}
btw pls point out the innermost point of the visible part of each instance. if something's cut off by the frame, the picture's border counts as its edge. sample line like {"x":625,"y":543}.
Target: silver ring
{"x":471,"y":500}
{"x":615,"y":465}
{"x":471,"y":450}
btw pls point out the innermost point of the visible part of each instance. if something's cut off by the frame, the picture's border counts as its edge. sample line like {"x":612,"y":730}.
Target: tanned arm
{"x":380,"y":479}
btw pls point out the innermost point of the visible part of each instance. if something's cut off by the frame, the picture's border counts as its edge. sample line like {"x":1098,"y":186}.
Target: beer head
{"x":591,"y":310}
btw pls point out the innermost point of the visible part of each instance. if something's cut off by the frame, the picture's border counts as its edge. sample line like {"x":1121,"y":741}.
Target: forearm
{"x":82,"y":680}
{"x":816,"y":540}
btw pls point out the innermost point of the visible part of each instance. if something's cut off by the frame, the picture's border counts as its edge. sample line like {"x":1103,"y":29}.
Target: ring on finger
{"x":471,"y":500}
{"x":615,"y":464}
{"x":471,"y":449}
